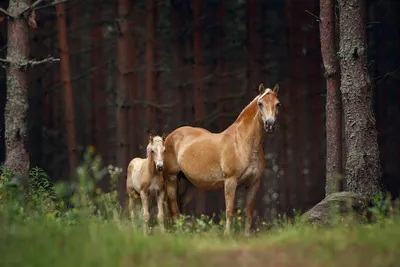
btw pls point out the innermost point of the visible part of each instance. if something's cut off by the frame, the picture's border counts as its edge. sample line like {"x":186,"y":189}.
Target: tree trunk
{"x":251,"y":44}
{"x":150,"y":63}
{"x":16,"y":132}
{"x":178,"y":54}
{"x":133,"y":92}
{"x":220,"y":70}
{"x":363,"y":163}
{"x":198,"y":86}
{"x":123,"y":67}
{"x":99,"y":134}
{"x":333,"y":101}
{"x":68,"y":94}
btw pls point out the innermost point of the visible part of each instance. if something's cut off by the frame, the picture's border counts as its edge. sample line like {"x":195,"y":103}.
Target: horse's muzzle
{"x":269,"y":126}
{"x":160,"y":167}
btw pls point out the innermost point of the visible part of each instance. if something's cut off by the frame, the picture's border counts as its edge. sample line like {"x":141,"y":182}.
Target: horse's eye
{"x":260,"y":104}
{"x":152,"y":151}
{"x":278,"y":104}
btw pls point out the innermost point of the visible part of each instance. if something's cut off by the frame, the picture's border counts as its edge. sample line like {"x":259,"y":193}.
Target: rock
{"x":336,"y":204}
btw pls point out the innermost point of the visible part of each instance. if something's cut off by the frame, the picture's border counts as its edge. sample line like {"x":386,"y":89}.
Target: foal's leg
{"x":145,"y":206}
{"x":251,"y":195}
{"x":230,"y":190}
{"x":160,"y":207}
{"x":171,"y":185}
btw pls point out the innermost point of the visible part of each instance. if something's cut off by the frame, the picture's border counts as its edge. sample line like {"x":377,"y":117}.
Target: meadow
{"x":46,"y":225}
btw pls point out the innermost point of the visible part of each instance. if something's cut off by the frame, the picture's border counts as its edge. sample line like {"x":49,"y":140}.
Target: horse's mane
{"x":247,"y":108}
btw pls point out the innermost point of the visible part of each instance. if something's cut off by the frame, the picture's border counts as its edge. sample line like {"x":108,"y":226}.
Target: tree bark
{"x":16,"y":108}
{"x":251,"y":46}
{"x":333,"y":101}
{"x":363,"y":163}
{"x":123,"y":67}
{"x":99,"y":124}
{"x":68,"y":94}
{"x":150,"y":63}
{"x":133,"y":92}
{"x":198,"y":86}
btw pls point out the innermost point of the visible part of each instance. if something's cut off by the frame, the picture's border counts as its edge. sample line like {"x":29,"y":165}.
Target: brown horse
{"x":223,"y":160}
{"x":145,"y":178}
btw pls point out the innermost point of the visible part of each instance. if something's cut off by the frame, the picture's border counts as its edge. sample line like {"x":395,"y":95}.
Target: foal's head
{"x":268,"y":105}
{"x":156,"y":149}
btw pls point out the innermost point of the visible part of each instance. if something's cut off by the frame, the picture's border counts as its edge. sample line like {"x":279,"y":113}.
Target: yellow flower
{"x":91,"y":149}
{"x":263,"y":223}
{"x":239,"y":218}
{"x":221,"y":222}
{"x":239,"y":211}
{"x":98,"y":190}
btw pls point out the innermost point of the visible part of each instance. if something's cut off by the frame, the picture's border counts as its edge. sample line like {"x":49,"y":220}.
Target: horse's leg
{"x":251,"y":195}
{"x":160,"y":206}
{"x":171,"y":184}
{"x":145,"y":206}
{"x":187,"y":196}
{"x":230,"y":191}
{"x":131,"y":206}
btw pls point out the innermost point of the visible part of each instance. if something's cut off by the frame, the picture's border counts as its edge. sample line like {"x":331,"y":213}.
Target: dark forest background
{"x":152,"y":66}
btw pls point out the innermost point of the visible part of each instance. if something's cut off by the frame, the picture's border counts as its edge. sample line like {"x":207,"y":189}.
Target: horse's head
{"x":268,"y":105}
{"x":156,"y":148}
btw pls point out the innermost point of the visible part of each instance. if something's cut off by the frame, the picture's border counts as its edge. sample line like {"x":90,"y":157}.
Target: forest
{"x":85,"y":85}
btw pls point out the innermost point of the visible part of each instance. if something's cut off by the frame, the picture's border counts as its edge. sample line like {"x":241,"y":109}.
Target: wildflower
{"x":239,"y":211}
{"x":239,"y":218}
{"x":263,"y":223}
{"x":98,"y":190}
{"x":91,"y":149}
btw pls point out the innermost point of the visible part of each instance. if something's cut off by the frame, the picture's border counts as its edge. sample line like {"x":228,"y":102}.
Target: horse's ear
{"x":261,"y":89}
{"x":276,"y":89}
{"x":164,"y":136}
{"x":150,"y":138}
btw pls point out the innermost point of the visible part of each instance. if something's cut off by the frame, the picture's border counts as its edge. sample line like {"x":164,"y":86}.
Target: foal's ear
{"x":164,"y":136}
{"x":276,"y":89}
{"x":261,"y":89}
{"x":150,"y":138}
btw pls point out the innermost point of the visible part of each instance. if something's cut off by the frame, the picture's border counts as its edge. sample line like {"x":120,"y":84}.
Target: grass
{"x":103,"y":243}
{"x":38,"y":229}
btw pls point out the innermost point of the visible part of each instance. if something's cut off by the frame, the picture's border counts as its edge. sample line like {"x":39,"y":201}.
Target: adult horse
{"x":216,"y":161}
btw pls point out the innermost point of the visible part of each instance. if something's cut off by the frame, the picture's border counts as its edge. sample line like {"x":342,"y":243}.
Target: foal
{"x":145,"y":178}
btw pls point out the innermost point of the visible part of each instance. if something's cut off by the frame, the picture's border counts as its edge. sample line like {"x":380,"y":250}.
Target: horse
{"x":223,"y":161}
{"x":144,"y":178}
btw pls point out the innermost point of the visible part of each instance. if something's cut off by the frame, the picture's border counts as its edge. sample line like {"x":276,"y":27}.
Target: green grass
{"x":104,"y":243}
{"x":37,"y":229}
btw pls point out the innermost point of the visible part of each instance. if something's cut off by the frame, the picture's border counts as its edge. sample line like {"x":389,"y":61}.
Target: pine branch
{"x":29,"y":63}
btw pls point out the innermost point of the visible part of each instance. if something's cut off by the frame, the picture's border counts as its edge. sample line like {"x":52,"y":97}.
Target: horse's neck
{"x":151,"y":167}
{"x":249,"y":128}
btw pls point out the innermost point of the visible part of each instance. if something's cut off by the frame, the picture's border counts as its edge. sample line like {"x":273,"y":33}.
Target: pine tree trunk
{"x":16,"y":132}
{"x":123,"y":67}
{"x":133,"y":92}
{"x":363,"y":163}
{"x":68,"y":94}
{"x":333,"y":100}
{"x":251,"y":46}
{"x":150,"y":63}
{"x":98,"y":130}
